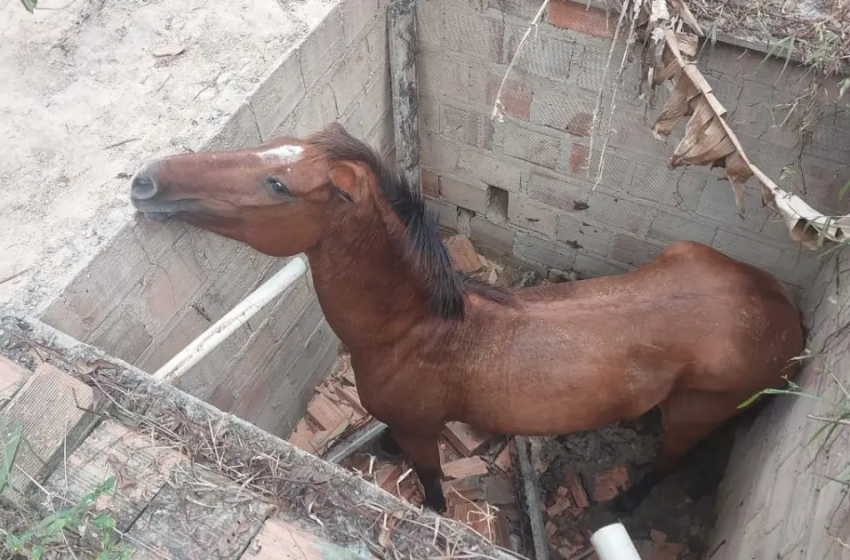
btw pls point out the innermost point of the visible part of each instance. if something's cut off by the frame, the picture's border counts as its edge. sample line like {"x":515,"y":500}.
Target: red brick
{"x":578,"y":158}
{"x":502,"y":530}
{"x":609,"y":484}
{"x":579,"y":17}
{"x":462,"y":468}
{"x":387,"y":476}
{"x":551,"y":529}
{"x":562,"y":503}
{"x":324,"y":438}
{"x":465,"y":259}
{"x":302,"y":435}
{"x":325,"y":413}
{"x":503,"y":460}
{"x":515,"y":98}
{"x":576,"y":489}
{"x":352,"y":398}
{"x":477,"y":517}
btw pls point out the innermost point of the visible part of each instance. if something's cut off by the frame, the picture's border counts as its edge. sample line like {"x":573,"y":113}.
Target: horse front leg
{"x":424,"y":453}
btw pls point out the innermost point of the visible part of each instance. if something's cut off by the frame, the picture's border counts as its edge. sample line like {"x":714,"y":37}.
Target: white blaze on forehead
{"x":283,"y":154}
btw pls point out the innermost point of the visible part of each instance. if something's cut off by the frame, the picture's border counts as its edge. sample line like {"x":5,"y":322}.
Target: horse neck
{"x":368,"y":292}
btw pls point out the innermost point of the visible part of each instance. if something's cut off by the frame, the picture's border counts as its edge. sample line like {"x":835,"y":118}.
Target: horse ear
{"x":349,"y":178}
{"x":336,"y":128}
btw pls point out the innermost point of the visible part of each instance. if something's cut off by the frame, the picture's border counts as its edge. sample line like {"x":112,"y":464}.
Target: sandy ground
{"x":89,"y":89}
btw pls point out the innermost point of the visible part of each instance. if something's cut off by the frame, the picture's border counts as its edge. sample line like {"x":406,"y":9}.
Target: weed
{"x":90,"y":531}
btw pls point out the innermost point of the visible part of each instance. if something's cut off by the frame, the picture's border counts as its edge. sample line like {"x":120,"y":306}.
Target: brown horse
{"x":694,"y":332}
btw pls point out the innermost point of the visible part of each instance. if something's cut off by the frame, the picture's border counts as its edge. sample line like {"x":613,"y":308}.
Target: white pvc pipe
{"x":612,"y":542}
{"x":235,"y":318}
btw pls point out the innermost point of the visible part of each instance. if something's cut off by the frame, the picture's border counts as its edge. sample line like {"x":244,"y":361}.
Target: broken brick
{"x":302,"y":436}
{"x":349,"y":394}
{"x":325,"y":413}
{"x":462,"y":468}
{"x":567,"y":552}
{"x":503,"y":532}
{"x":463,"y":254}
{"x":551,"y":529}
{"x":464,"y":437}
{"x":387,"y":476}
{"x":503,"y":460}
{"x":657,"y":536}
{"x":478,"y":518}
{"x":323,"y":439}
{"x":576,"y":489}
{"x":609,"y":483}
{"x":562,"y":503}
{"x":577,"y":539}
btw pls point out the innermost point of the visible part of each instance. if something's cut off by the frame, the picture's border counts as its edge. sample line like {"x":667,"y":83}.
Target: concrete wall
{"x":518,"y":186}
{"x":155,"y":287}
{"x":776,"y":499}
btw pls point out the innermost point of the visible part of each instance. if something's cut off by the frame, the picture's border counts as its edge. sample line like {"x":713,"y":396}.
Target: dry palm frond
{"x":708,"y":139}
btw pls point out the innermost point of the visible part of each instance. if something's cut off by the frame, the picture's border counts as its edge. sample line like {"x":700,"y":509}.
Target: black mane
{"x":424,"y":249}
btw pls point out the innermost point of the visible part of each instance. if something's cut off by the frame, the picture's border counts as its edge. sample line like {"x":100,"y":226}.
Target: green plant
{"x":793,"y":389}
{"x":30,"y":5}
{"x":76,"y":523}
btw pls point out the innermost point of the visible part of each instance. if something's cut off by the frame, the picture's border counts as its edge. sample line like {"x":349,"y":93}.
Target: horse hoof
{"x":437,"y":504}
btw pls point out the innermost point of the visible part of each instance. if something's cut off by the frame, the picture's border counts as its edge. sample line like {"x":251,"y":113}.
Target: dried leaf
{"x":678,"y":106}
{"x":709,"y":140}
{"x":738,"y":171}
{"x":685,"y":13}
{"x":688,"y":43}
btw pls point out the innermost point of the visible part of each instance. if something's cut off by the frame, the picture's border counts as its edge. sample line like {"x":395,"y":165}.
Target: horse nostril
{"x":143,"y":188}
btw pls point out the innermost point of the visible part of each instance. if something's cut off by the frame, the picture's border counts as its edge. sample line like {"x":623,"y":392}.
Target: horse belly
{"x":552,"y":407}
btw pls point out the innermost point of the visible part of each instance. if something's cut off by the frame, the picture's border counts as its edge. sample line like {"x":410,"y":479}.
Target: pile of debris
{"x":479,"y":484}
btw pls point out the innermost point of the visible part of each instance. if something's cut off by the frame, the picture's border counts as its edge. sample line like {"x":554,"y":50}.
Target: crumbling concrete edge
{"x":356,"y":512}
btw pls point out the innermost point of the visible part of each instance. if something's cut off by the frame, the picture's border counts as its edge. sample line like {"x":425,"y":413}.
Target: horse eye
{"x":277,"y":186}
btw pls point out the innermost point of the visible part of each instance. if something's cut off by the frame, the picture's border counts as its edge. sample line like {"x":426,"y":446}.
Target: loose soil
{"x":90,"y":89}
